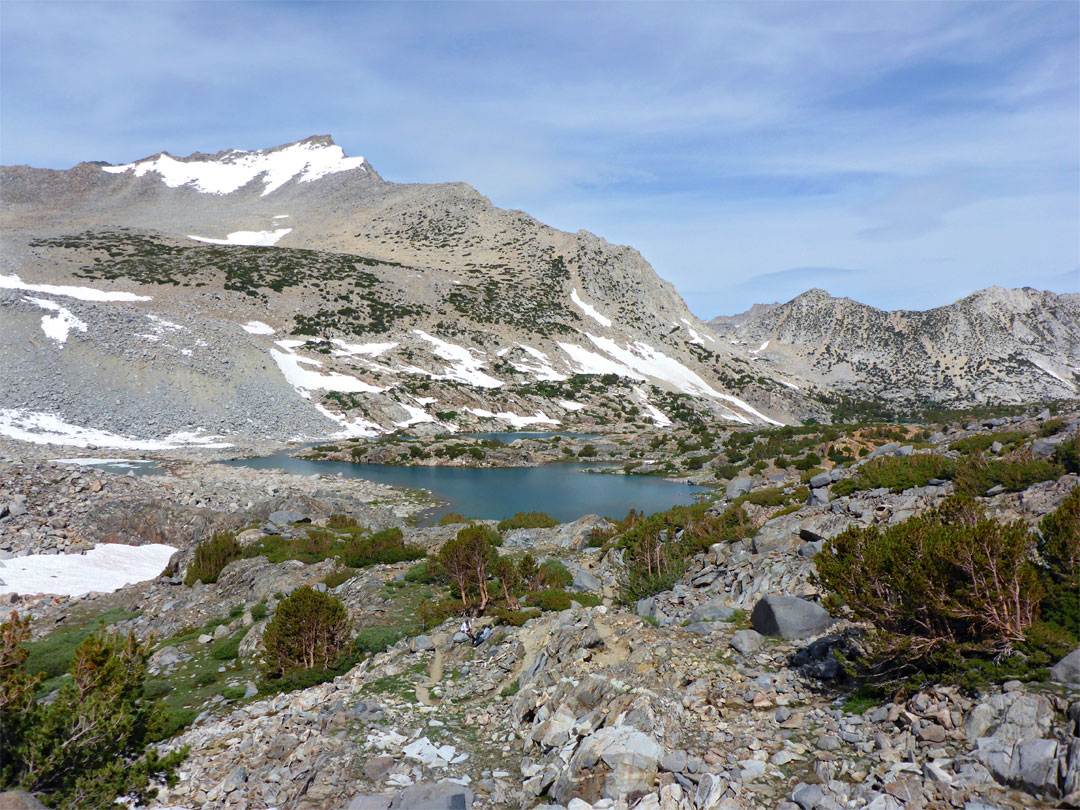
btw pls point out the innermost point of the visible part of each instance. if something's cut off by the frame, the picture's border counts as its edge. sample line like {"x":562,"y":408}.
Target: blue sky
{"x":901,"y":153}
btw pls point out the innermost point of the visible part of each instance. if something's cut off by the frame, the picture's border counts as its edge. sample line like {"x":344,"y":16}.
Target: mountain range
{"x":293,"y":293}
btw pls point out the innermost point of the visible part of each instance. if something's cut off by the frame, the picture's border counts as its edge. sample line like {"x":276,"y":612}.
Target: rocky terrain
{"x":995,"y":346}
{"x":726,"y":690}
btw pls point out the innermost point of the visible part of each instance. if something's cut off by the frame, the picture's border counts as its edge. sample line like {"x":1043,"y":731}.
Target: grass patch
{"x":52,"y":654}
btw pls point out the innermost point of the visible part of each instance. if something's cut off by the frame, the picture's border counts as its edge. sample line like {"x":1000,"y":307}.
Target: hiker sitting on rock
{"x":466,"y":628}
{"x":484,"y":635}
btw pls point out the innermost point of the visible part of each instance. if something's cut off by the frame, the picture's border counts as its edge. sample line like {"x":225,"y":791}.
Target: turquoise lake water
{"x":564,"y":491}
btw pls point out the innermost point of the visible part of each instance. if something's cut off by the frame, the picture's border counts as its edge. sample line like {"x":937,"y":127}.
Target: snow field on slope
{"x":251,"y":238}
{"x":58,"y":326}
{"x":540,"y":418}
{"x":589,"y":310}
{"x":258,"y":328}
{"x":13,"y":282}
{"x":305,"y":380}
{"x":463,"y":365}
{"x":104,"y":568}
{"x":46,"y":428}
{"x":305,"y":161}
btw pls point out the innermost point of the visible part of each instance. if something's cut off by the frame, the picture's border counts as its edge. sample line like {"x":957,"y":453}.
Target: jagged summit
{"x":232,"y":169}
{"x":1003,"y":345}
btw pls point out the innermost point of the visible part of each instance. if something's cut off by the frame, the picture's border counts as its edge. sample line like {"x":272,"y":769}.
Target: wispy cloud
{"x":933,"y":143}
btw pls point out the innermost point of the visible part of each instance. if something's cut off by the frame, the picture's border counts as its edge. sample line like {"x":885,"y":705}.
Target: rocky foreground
{"x":726,"y":691}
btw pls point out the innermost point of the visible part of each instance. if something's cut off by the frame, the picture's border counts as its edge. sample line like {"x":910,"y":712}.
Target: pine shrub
{"x":211,"y":556}
{"x":91,"y":744}
{"x":310,"y":630}
{"x":950,"y":576}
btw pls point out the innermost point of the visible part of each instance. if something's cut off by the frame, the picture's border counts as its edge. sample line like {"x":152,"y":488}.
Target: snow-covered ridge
{"x":305,"y":161}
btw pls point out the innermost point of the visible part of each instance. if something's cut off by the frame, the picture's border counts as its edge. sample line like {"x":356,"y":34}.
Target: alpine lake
{"x":566,"y":491}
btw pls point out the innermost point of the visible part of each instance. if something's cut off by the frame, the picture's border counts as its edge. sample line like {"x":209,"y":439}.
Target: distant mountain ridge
{"x":995,"y":345}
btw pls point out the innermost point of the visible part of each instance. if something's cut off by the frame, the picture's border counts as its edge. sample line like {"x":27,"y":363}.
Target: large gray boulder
{"x":714,"y":611}
{"x":1067,"y":670}
{"x":738,"y":486}
{"x":585,"y":581}
{"x":19,"y":800}
{"x":284,"y":517}
{"x":822,"y":479}
{"x":611,"y":763}
{"x":789,"y":617}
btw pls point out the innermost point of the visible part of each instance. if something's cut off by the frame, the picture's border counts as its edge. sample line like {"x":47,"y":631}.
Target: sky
{"x":903,"y":154}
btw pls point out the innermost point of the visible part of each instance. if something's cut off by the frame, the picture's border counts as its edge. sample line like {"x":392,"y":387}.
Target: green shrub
{"x":52,"y":655}
{"x":514,"y":618}
{"x":91,"y":744}
{"x":424,"y":572}
{"x":386,"y":546}
{"x":450,"y":518}
{"x":555,"y":574}
{"x":206,"y":678}
{"x":338,"y":576}
{"x":527,"y":520}
{"x":588,"y":451}
{"x":155,"y":688}
{"x":947,"y":577}
{"x":231,"y":692}
{"x":844,"y":487}
{"x":431,"y":614}
{"x":211,"y":556}
{"x":976,"y":475}
{"x":1058,"y":545}
{"x":980,"y":442}
{"x":228,"y":648}
{"x":379,"y":638}
{"x":310,"y":630}
{"x":259,"y":611}
{"x":904,"y":472}
{"x":511,"y":690}
{"x":551,"y":600}
{"x":338,"y":521}
{"x":1051,"y":427}
{"x":1067,"y":454}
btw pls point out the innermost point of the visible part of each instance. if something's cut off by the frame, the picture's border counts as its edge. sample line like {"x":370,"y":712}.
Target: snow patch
{"x":1043,"y":366}
{"x":255,"y":238}
{"x":237,"y":168}
{"x":694,"y":336}
{"x":568,"y":405}
{"x":463,"y":365}
{"x":760,"y":348}
{"x":647,"y":361}
{"x":368,"y":349}
{"x":416,"y":416}
{"x":357,"y":428}
{"x":46,"y":428}
{"x":305,"y":380}
{"x":658,"y":416}
{"x":104,"y":568}
{"x":13,"y":282}
{"x":58,"y":326}
{"x":592,"y":363}
{"x":542,"y":370}
{"x":258,"y":328}
{"x":588,"y":309}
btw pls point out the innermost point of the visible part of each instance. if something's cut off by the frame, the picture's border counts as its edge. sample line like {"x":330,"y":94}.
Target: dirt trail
{"x":435,"y":673}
